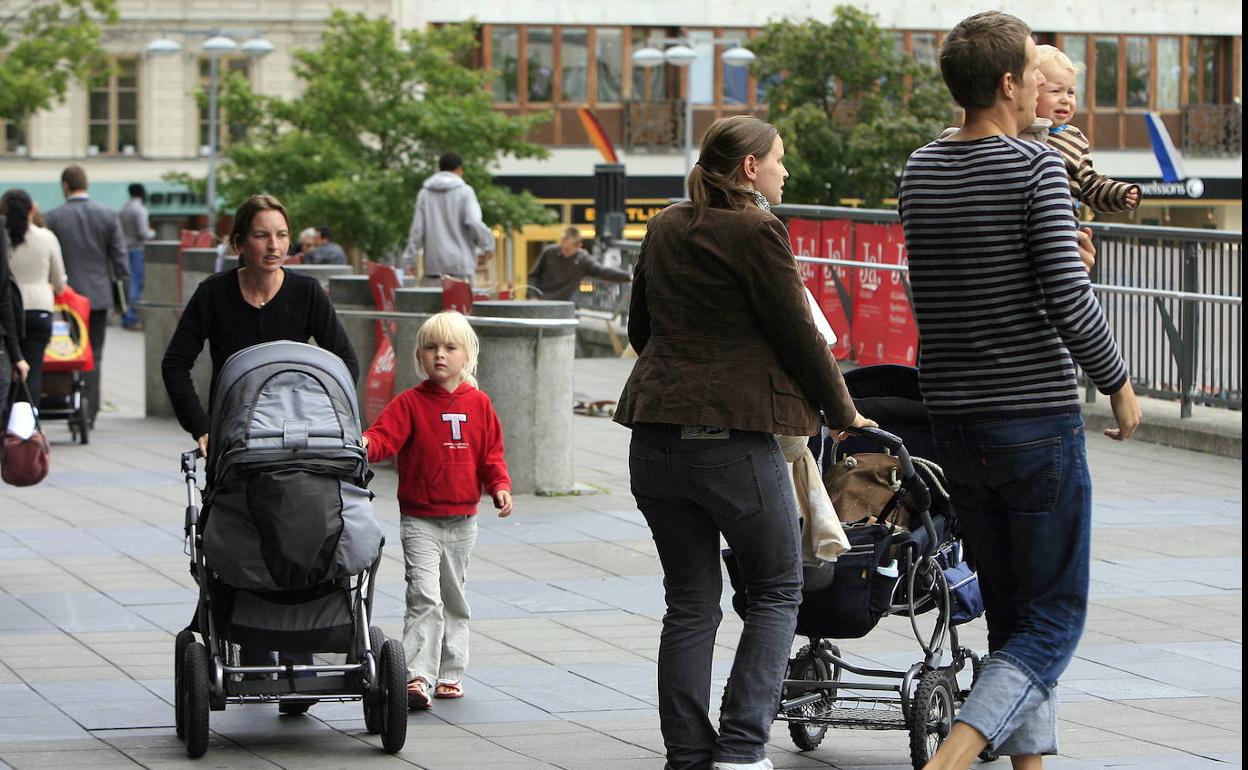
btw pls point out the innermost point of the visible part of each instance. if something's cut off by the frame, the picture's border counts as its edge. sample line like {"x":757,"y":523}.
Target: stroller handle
{"x":911,"y":480}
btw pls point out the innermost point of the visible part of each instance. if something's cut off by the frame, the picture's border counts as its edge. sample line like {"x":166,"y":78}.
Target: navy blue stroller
{"x":891,"y":569}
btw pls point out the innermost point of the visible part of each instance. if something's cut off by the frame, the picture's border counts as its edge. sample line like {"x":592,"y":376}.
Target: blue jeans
{"x":692,"y":490}
{"x":1022,"y":490}
{"x":137,"y":274}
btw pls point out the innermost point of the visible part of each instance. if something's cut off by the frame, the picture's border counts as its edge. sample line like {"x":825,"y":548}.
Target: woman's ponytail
{"x":727,"y":143}
{"x":15,"y":205}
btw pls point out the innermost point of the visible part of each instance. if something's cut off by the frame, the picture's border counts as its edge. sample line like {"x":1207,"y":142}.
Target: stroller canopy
{"x":281,"y":401}
{"x":287,"y":505}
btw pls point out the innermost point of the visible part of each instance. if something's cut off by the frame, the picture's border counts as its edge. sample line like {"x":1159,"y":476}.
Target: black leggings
{"x":38,"y":332}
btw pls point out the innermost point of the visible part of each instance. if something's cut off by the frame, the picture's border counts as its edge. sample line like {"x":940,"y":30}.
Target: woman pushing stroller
{"x":728,"y":357}
{"x":257,"y":301}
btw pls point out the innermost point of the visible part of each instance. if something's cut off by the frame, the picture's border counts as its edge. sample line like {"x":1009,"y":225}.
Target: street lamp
{"x":215,"y":47}
{"x":680,"y":54}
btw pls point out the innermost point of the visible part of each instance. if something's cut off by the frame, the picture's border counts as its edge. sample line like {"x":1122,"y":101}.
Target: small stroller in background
{"x":66,"y":361}
{"x":285,"y":550}
{"x":890,"y":569}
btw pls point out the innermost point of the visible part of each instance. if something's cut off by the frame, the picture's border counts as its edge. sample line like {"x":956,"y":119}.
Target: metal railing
{"x":1172,"y":297}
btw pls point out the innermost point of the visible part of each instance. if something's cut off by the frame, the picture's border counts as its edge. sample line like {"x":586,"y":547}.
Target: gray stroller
{"x":285,"y":549}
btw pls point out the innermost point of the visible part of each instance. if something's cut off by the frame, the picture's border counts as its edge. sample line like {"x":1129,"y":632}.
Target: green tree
{"x":837,"y":93}
{"x":44,"y":44}
{"x":377,"y":109}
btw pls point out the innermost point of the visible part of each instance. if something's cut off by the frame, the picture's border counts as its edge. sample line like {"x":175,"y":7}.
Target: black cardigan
{"x":10,"y":321}
{"x":218,"y":313}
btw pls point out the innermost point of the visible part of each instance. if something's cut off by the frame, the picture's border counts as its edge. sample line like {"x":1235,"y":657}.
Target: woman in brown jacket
{"x":728,"y":357}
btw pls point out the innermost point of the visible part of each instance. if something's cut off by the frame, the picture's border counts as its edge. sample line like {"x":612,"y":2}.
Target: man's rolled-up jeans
{"x":1023,"y":493}
{"x":692,"y":485}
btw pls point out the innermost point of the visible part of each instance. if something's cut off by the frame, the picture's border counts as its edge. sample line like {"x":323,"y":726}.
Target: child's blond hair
{"x":451,"y":327}
{"x":1048,"y":54}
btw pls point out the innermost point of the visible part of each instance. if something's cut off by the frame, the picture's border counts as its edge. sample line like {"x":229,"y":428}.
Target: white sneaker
{"x":762,"y":764}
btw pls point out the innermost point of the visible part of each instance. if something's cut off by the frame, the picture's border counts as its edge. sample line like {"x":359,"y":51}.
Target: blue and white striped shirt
{"x":1002,"y":300}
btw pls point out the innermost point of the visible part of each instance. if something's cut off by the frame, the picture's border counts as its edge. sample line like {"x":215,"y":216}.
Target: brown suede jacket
{"x":723,"y":331}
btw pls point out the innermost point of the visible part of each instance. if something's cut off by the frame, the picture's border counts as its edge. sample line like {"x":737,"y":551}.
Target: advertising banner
{"x":804,"y":240}
{"x":884,"y":331}
{"x":379,"y":382}
{"x":837,"y":284}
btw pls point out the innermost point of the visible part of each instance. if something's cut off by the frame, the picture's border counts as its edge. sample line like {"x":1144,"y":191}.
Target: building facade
{"x":1182,"y":60}
{"x":1179,"y":58}
{"x":146,"y":119}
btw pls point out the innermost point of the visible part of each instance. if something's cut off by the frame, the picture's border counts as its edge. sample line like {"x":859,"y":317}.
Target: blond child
{"x":1057,"y":103}
{"x":449,"y":444}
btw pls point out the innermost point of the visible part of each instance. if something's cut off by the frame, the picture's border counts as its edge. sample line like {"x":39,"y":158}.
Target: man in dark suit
{"x":94,"y":249}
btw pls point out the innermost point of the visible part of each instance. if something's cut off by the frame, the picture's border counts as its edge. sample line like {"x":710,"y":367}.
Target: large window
{"x":702,"y":71}
{"x":1204,"y":80}
{"x":1076,"y":49}
{"x":540,"y":56}
{"x":505,"y":60}
{"x":1137,"y":72}
{"x":649,"y":83}
{"x":226,"y":132}
{"x":1107,"y":72}
{"x":113,"y":110}
{"x":736,"y":82}
{"x":574,"y":64}
{"x":923,"y":48}
{"x":12,"y":138}
{"x":609,"y":59}
{"x":1169,"y":73}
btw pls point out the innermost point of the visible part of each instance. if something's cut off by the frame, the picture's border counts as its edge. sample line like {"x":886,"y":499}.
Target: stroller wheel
{"x":183,"y":640}
{"x":809,"y":666}
{"x":393,"y":670}
{"x":374,"y":702}
{"x":83,"y":420}
{"x":931,"y":716}
{"x":195,"y":688}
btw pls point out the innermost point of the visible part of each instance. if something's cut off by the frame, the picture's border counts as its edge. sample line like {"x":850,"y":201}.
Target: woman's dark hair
{"x":718,"y":171}
{"x":247,"y":213}
{"x":15,"y":206}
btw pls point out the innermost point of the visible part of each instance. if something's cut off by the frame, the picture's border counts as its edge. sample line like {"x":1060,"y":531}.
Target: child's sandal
{"x":418,"y":695}
{"x":449,"y":690}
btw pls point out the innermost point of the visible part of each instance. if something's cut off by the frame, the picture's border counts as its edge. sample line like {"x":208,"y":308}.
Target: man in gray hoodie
{"x":447,"y":226}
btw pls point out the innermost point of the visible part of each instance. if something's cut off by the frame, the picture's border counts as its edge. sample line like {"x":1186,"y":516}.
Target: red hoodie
{"x":449,"y":445}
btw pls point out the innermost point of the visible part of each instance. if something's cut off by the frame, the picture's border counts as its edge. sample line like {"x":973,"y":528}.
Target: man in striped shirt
{"x":1005,"y":311}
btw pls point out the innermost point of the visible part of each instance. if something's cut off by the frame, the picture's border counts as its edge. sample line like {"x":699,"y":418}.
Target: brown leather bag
{"x":861,"y":487}
{"x":24,"y":462}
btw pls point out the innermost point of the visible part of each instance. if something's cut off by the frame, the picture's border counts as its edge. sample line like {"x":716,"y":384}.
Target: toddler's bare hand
{"x":502,"y":501}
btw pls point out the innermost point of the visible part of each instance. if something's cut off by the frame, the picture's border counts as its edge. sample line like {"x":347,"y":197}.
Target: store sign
{"x":1191,"y":188}
{"x":637,"y":214}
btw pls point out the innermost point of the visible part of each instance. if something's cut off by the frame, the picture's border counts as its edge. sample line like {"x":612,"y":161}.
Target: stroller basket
{"x":319,"y":620}
{"x":860,"y":592}
{"x":896,"y":565}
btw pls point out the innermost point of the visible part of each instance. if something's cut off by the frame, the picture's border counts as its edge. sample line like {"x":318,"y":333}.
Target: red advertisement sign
{"x":804,"y":240}
{"x":456,"y":294}
{"x":884,"y":331}
{"x":379,"y":383}
{"x":836,"y":295}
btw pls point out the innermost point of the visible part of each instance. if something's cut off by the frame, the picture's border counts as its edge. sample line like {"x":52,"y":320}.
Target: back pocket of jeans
{"x":1027,"y":476}
{"x":730,"y":490}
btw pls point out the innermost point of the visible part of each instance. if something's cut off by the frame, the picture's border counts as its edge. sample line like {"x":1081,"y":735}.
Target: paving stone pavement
{"x":567,"y":599}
